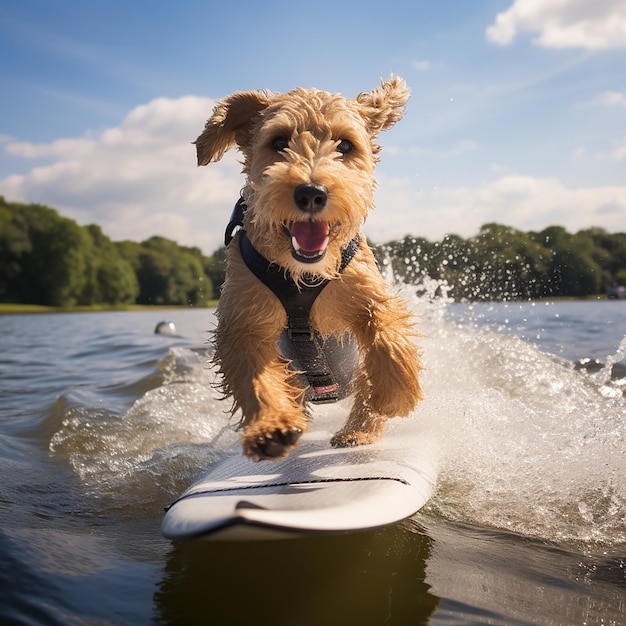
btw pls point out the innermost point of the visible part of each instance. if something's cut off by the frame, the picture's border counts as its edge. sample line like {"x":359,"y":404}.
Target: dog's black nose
{"x":310,"y":198}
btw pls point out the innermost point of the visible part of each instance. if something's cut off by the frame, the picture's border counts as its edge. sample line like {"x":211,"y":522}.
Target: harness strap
{"x":236,"y":221}
{"x":297,"y":301}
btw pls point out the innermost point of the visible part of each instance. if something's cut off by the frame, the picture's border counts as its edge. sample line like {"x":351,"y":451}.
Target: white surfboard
{"x":317,"y":489}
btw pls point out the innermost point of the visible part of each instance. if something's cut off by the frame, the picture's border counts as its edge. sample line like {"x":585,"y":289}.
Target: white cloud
{"x":620,"y":152}
{"x":136,"y":180}
{"x":58,"y":148}
{"x":612,"y":98}
{"x":421,"y":66}
{"x":523,"y":202}
{"x":588,"y":24}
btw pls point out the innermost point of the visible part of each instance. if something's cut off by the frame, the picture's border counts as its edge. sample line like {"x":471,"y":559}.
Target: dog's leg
{"x":364,"y":425}
{"x":388,"y":383}
{"x":267,"y":394}
{"x":254,"y":374}
{"x":392,"y":365}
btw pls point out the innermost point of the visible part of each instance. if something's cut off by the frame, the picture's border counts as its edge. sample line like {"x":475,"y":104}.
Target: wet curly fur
{"x":323,"y":141}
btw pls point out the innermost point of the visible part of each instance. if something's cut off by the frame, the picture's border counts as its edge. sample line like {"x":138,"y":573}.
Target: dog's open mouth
{"x":309,"y":240}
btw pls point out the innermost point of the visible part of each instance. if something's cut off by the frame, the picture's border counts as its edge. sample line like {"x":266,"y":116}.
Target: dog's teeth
{"x":297,"y":248}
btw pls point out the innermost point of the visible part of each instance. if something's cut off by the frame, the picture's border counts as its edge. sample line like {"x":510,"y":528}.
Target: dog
{"x":309,"y":159}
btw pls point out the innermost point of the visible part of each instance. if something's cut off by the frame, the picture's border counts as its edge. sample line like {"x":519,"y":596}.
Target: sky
{"x":517,"y":113}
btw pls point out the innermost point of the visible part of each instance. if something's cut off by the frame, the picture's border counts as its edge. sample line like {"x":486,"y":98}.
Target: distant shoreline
{"x":27,"y":309}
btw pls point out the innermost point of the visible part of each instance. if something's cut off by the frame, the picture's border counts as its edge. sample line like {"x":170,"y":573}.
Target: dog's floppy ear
{"x":382,"y":107}
{"x":230,"y":124}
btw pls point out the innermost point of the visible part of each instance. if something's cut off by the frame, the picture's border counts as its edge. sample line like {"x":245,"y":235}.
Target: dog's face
{"x":309,"y":158}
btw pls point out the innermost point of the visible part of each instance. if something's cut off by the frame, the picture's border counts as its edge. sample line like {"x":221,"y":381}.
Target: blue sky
{"x":517,"y":115}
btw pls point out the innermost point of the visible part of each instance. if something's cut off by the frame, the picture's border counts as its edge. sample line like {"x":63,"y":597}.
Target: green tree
{"x":49,"y":259}
{"x":409,"y":258}
{"x":111,"y":279}
{"x":46,"y":254}
{"x":609,"y":253}
{"x":168,"y":273}
{"x":215,"y":270}
{"x":507,"y":264}
{"x":14,"y":245}
{"x":572,"y":269}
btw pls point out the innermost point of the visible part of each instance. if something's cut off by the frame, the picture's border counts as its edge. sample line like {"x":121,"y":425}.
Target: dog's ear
{"x":382,"y":107}
{"x":230,"y":124}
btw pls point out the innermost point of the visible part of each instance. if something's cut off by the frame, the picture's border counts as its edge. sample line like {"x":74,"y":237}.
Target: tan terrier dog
{"x":309,"y":158}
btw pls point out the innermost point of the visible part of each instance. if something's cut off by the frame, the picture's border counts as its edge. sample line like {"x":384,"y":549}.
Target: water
{"x":103,"y":423}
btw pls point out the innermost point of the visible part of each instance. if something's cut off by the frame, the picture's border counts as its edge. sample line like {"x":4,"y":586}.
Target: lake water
{"x":103,"y":423}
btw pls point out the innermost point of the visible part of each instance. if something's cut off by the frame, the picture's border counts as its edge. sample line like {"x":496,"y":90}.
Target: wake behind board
{"x":315,"y":490}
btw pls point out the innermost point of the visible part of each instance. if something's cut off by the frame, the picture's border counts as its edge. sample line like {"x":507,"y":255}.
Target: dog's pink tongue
{"x":310,"y":236}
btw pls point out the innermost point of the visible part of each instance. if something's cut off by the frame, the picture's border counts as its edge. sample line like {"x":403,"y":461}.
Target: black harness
{"x":327,"y":364}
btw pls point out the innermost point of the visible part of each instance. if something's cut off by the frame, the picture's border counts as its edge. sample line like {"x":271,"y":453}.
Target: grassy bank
{"x":21,"y":309}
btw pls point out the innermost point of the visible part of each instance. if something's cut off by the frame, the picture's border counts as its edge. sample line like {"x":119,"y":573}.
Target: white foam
{"x":529,"y":444}
{"x":159,"y":444}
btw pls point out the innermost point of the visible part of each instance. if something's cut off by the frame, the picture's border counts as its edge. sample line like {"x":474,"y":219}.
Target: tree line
{"x":49,"y":259}
{"x":503,"y":263}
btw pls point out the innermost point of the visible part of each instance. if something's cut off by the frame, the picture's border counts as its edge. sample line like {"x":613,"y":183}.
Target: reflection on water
{"x":517,"y":581}
{"x":374,"y":578}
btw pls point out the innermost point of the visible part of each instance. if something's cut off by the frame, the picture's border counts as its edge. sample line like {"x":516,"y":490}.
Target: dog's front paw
{"x":352,"y":439}
{"x":271,"y":445}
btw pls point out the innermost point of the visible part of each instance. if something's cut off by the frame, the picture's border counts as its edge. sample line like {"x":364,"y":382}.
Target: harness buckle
{"x":236,"y":221}
{"x":306,"y":334}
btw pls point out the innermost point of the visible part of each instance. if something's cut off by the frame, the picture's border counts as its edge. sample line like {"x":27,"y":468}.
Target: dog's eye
{"x":280,"y":143}
{"x":345,"y":146}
